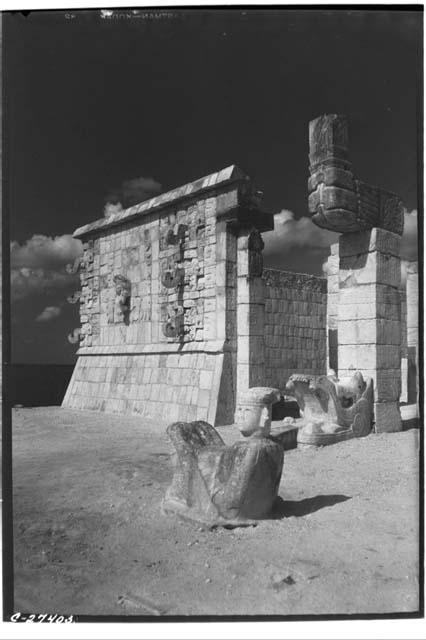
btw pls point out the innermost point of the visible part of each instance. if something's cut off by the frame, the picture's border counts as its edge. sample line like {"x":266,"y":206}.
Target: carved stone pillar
{"x":413,"y":331}
{"x":332,"y":306}
{"x":370,"y":220}
{"x":404,"y":354}
{"x":251,"y":311}
{"x":369,"y":312}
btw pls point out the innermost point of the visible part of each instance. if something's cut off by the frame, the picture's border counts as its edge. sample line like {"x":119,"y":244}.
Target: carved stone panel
{"x":172,"y":317}
{"x":122,"y":298}
{"x":172,"y":276}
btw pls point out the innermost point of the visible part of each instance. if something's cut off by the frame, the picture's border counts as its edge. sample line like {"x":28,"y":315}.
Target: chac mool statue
{"x":221,"y":485}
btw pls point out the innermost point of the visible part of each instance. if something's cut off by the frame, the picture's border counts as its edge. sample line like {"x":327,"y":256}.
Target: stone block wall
{"x":178,"y":386}
{"x":369,"y":318}
{"x":377,"y":313}
{"x":158,"y":304}
{"x":295,"y":325}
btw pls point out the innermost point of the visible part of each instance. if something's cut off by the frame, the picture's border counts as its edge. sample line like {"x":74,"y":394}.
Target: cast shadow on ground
{"x":298,"y":508}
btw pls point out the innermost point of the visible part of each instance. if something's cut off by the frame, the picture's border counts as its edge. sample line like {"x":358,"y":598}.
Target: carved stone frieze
{"x":172,"y":320}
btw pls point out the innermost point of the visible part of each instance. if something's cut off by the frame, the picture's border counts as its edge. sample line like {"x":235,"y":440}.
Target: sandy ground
{"x":90,"y":537}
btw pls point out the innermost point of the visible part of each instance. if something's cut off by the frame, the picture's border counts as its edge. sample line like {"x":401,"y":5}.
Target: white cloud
{"x":326,"y":268}
{"x":290,"y":233}
{"x":49,"y":313}
{"x":25,"y":282}
{"x":111,"y":208}
{"x":45,"y":252}
{"x":130,"y":193}
{"x":139,"y":189}
{"x":38,"y":265}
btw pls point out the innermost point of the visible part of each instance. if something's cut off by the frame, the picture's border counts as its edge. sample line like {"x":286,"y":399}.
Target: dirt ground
{"x":90,"y":537}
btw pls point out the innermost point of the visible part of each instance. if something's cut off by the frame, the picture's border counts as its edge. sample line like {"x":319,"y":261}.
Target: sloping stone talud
{"x":337,"y":199}
{"x":332,"y":410}
{"x":220,"y":485}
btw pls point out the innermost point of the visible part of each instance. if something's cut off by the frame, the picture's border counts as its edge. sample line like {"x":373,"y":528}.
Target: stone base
{"x":310,"y":440}
{"x":286,"y":435}
{"x":166,"y":386}
{"x":387,"y":417}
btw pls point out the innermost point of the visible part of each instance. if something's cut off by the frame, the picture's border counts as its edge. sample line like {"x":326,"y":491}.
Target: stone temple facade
{"x":179,"y":316}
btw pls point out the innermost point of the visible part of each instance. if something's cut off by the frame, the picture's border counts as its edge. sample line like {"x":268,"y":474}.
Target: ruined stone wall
{"x":161,"y":354}
{"x":159,"y":303}
{"x":295,"y":325}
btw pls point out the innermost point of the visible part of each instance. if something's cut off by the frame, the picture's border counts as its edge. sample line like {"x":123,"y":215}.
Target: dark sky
{"x":93,"y":102}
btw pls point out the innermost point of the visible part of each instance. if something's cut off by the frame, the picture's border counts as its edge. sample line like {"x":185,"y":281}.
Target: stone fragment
{"x":332,"y":409}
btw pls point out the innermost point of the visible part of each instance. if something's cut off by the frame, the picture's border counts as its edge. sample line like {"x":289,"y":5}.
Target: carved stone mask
{"x":122,"y":288}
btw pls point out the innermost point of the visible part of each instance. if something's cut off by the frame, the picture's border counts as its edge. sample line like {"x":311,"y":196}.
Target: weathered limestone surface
{"x":294,"y":325}
{"x":158,"y":304}
{"x":221,"y":485}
